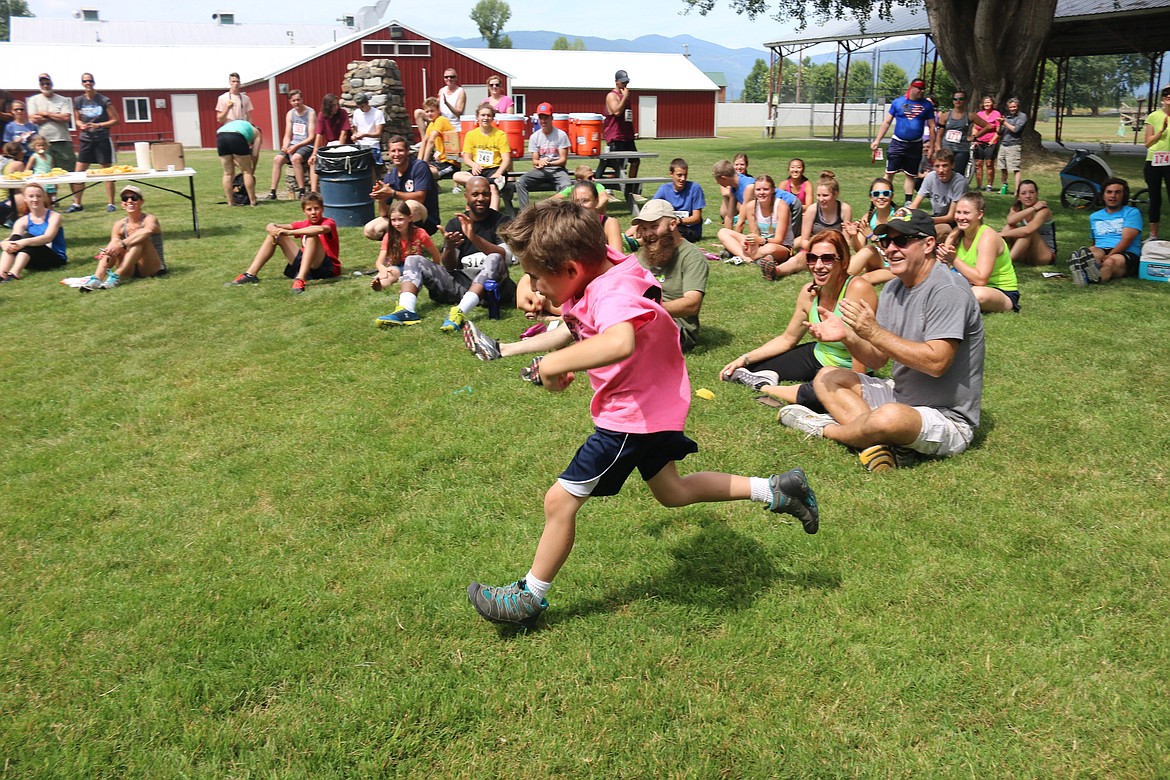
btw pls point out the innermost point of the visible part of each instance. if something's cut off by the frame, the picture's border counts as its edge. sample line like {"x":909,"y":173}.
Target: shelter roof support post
{"x":839,"y":93}
{"x":1039,"y":86}
{"x":1060,"y":95}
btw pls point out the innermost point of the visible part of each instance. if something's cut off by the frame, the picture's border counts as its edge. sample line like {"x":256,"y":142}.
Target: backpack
{"x":239,"y":192}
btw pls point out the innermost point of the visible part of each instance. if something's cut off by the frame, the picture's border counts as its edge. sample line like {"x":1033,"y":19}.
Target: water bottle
{"x":1003,"y":190}
{"x":491,"y":293}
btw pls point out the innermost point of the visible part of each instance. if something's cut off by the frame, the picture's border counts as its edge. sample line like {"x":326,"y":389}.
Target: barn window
{"x":518,"y":105}
{"x":136,"y":109}
{"x":396,"y":48}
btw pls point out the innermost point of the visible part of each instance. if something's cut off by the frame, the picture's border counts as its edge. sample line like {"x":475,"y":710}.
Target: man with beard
{"x":675,"y":262}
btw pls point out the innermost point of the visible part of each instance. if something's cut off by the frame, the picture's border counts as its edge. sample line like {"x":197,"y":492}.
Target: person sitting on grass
{"x":1030,"y":231}
{"x":38,"y":238}
{"x":738,"y":192}
{"x":135,"y":248}
{"x":797,"y":183}
{"x":1117,"y":239}
{"x":784,"y":358}
{"x":981,"y":256}
{"x":315,"y":257}
{"x":687,"y":198}
{"x":403,"y":239}
{"x":769,"y":235}
{"x":405,"y":180}
{"x":928,"y":323}
{"x":11,"y":162}
{"x":641,"y":396}
{"x":473,"y":255}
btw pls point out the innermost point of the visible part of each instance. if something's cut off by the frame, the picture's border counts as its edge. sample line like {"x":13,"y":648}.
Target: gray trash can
{"x":346,"y":176}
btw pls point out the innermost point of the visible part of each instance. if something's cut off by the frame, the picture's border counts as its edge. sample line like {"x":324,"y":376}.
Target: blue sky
{"x":605,"y":18}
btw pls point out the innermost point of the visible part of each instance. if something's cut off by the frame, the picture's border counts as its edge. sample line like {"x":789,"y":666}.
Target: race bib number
{"x":409,"y":186}
{"x":483,"y":157}
{"x":474,"y":260}
{"x":1160,"y":159}
{"x":954,"y":136}
{"x":628,"y":115}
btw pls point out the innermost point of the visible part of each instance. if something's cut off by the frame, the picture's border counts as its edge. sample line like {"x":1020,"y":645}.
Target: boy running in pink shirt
{"x":641,"y":395}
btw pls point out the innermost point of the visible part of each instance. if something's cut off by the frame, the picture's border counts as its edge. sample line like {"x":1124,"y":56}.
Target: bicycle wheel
{"x":1140,"y":199}
{"x":1078,"y":195}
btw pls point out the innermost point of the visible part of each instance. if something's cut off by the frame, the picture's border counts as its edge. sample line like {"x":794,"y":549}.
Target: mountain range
{"x":708,"y":57}
{"x":735,"y":64}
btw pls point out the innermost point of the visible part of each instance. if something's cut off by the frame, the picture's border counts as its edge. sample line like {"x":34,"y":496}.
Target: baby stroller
{"x":1081,"y":181}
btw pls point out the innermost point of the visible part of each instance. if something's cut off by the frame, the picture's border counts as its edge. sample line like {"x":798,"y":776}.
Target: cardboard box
{"x":1154,"y":270}
{"x":162,"y":155}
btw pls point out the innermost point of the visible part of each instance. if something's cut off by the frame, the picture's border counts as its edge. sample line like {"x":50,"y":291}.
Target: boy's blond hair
{"x":554,"y":231}
{"x":723,"y":168}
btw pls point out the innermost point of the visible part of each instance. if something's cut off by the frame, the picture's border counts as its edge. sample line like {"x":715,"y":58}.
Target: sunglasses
{"x":959,"y":98}
{"x":495,"y":84}
{"x":880,"y":193}
{"x":826,"y":259}
{"x":450,"y":77}
{"x":46,"y":81}
{"x":899,"y":241}
{"x":131,"y":196}
{"x":17,"y":108}
{"x":87,"y":81}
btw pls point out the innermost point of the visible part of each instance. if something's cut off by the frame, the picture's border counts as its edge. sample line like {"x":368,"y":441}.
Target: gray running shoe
{"x":512,"y":604}
{"x":792,"y":495}
{"x":754,"y":379}
{"x":481,"y":345}
{"x":804,"y":419}
{"x":92,"y":283}
{"x":1078,"y":267}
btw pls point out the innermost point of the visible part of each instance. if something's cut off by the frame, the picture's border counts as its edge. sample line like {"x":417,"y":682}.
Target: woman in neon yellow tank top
{"x":784,"y":358}
{"x":979,"y":253}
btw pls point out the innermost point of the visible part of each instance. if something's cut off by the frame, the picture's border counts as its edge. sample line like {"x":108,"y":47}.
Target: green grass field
{"x":236,"y":527}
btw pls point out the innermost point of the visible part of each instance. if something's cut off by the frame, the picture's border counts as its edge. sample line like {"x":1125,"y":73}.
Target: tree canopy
{"x":490,"y":16}
{"x":562,"y":44}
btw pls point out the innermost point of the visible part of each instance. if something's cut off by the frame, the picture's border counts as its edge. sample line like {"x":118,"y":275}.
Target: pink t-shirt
{"x":993,"y":118}
{"x":649,"y":391}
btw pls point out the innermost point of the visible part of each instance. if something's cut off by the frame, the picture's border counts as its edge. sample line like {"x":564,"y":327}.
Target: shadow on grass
{"x":986,"y":426}
{"x":711,"y":338}
{"x":715,"y":570}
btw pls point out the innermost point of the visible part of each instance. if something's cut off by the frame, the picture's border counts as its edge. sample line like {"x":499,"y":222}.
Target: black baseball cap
{"x":907,"y":222}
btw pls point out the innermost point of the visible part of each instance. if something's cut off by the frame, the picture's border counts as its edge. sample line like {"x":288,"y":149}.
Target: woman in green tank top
{"x":979,"y":253}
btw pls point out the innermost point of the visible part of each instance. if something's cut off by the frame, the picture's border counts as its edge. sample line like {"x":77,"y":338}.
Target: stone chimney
{"x":382,"y":81}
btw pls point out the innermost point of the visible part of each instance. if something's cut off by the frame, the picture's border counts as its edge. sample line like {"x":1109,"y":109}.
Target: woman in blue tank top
{"x":37,"y":240}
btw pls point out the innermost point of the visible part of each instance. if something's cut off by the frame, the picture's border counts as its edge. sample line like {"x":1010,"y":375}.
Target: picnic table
{"x":630,"y":187}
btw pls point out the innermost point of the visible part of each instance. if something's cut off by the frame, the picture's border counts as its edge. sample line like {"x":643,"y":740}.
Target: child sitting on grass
{"x":317,"y":255}
{"x":404,"y":238}
{"x":630,"y":347}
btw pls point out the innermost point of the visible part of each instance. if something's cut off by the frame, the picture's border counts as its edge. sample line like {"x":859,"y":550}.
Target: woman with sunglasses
{"x":20,"y":129}
{"x":978,"y":253}
{"x":868,"y":257}
{"x":1031,"y":229}
{"x":135,"y":248}
{"x":37,"y":240}
{"x":955,"y":127}
{"x":496,"y":97}
{"x":784,"y":358}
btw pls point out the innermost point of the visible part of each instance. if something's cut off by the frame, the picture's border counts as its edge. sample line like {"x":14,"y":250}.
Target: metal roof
{"x":72,"y":32}
{"x":144,"y":67}
{"x":547,"y":69}
{"x":1080,"y":28}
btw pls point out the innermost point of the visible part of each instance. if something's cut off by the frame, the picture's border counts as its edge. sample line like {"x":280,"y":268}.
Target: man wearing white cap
{"x":549,"y":147}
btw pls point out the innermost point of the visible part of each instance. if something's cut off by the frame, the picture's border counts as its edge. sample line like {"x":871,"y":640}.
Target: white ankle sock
{"x":408,"y":301}
{"x":761,"y":490}
{"x":469,"y":302}
{"x":537,"y":587}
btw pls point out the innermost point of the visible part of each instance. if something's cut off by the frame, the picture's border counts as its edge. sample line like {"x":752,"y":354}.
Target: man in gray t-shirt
{"x":928,"y":323}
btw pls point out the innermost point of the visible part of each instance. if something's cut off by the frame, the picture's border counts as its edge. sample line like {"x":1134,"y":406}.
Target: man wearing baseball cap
{"x":910,"y":114}
{"x":617,"y":126}
{"x":549,"y":147}
{"x":928,"y":323}
{"x":678,"y":265}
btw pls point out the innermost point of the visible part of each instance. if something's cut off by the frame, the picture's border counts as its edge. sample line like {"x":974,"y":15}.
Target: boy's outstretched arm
{"x":611,"y":345}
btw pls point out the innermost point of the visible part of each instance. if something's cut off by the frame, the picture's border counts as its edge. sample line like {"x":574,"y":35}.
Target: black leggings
{"x":1155,"y":179}
{"x":796,"y":365}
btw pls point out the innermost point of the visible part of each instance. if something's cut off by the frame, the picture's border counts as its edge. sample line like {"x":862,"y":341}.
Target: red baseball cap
{"x":544,"y":108}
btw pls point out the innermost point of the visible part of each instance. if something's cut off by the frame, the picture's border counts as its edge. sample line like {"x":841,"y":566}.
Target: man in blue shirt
{"x":910,"y":115}
{"x":687,"y":199}
{"x":1117,"y":239}
{"x":405,"y":179}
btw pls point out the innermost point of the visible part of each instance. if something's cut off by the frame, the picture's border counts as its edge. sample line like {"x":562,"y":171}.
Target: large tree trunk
{"x":992,"y":47}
